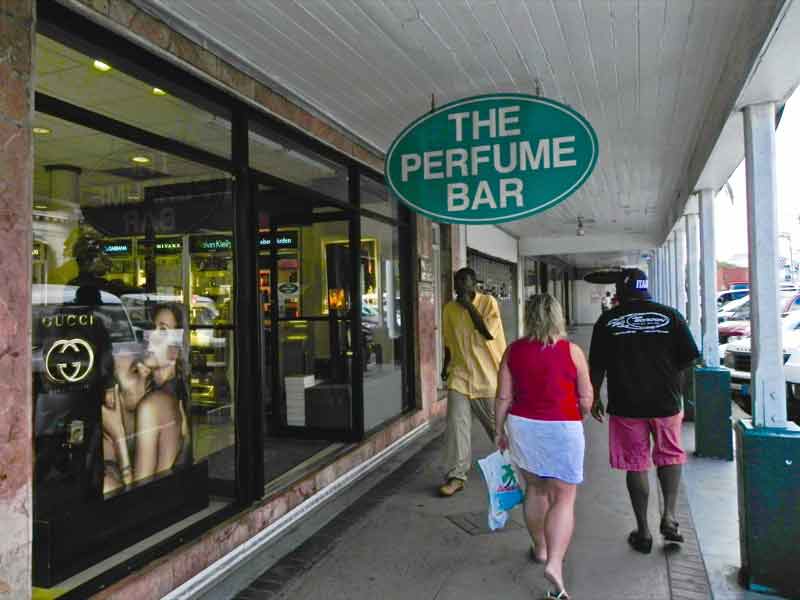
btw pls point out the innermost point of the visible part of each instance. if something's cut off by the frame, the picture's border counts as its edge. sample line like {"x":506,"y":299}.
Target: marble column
{"x":16,"y":200}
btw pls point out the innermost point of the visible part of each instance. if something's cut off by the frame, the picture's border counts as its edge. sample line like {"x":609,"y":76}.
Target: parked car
{"x":738,"y":326}
{"x":728,"y":310}
{"x":737,"y":360}
{"x":730,"y":295}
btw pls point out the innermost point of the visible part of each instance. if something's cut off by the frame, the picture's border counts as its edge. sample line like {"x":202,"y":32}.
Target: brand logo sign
{"x":69,"y":361}
{"x":640,"y":321}
{"x":490,"y":159}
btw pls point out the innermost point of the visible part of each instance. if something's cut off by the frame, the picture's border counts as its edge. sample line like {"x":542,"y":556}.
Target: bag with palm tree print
{"x":504,"y":490}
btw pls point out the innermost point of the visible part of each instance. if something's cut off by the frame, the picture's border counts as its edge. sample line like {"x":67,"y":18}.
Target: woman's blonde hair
{"x":544,"y":319}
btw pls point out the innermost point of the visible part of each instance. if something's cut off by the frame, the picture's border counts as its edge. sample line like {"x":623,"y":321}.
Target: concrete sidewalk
{"x":401,"y":541}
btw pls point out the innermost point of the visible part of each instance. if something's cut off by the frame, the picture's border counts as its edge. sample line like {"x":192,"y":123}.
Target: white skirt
{"x":547,"y":448}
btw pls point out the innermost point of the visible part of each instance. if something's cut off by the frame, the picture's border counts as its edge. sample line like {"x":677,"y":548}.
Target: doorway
{"x":305,"y":287}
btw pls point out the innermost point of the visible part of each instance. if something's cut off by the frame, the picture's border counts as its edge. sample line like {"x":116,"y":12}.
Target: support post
{"x":673,"y":269}
{"x":708,"y":283}
{"x":713,"y":435}
{"x":670,"y":274}
{"x":769,"y":383}
{"x":693,"y":267}
{"x":680,"y":267}
{"x":660,"y":274}
{"x":768,"y":448}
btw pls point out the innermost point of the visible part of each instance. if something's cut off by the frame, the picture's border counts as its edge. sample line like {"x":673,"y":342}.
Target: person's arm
{"x":114,"y":429}
{"x":445,"y":363}
{"x":147,"y":433}
{"x":502,"y":402}
{"x":477,"y":318}
{"x":585,"y":388}
{"x":597,"y":370}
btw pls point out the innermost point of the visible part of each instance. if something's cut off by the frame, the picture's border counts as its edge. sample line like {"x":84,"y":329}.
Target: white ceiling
{"x":652,"y":76}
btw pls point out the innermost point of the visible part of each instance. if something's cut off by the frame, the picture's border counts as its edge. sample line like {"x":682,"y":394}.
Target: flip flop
{"x":640,"y":544}
{"x":669,"y":529}
{"x":553,"y":595}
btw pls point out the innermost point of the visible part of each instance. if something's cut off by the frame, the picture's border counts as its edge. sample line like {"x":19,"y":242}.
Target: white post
{"x":680,"y":268}
{"x":693,"y":268}
{"x":651,"y":274}
{"x":661,"y":274}
{"x":708,"y":280}
{"x":654,"y":271}
{"x":670,"y":275}
{"x":769,"y":384}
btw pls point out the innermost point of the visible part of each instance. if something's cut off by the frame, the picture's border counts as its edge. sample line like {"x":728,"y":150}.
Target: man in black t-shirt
{"x":643,"y":347}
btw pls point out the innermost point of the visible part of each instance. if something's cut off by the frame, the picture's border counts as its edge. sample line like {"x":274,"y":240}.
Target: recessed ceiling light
{"x":159,"y":92}
{"x":101,"y":66}
{"x":42,"y":130}
{"x":140,"y":160}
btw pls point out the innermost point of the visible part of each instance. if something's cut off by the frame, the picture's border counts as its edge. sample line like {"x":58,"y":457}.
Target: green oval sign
{"x":490,"y":159}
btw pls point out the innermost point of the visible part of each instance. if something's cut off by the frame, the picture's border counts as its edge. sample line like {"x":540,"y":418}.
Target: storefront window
{"x":132,"y":333}
{"x":383,"y":345}
{"x":96,"y":83}
{"x":280,"y":157}
{"x":375,"y":198}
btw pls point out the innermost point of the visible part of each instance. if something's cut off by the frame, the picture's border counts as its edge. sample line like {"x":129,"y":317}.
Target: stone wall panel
{"x":16,"y":418}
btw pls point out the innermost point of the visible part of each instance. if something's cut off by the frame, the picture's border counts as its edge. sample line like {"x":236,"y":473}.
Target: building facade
{"x":228,"y":314}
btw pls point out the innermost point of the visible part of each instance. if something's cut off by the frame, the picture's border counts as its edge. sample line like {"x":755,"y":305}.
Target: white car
{"x":727,"y":310}
{"x":737,"y":360}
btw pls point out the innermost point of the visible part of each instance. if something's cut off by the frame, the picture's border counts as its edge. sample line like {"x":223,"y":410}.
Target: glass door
{"x":305,"y":274}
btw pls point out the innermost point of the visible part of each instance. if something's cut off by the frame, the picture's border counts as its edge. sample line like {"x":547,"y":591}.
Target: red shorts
{"x":629,"y":442}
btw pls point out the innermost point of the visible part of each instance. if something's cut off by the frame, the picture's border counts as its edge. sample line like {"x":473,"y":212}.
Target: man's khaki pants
{"x":459,"y":430}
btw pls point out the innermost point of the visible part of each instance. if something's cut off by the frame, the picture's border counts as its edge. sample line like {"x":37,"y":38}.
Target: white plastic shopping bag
{"x":504,"y":490}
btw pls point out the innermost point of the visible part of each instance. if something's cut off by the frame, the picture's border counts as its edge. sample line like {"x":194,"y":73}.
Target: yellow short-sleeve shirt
{"x":474,"y":360}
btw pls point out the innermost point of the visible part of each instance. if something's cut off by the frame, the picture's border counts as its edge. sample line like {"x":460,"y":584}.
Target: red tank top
{"x":545,"y":381}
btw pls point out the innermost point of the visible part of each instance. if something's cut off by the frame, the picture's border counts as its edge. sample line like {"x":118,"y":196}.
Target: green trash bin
{"x":713,"y":433}
{"x":768,"y":467}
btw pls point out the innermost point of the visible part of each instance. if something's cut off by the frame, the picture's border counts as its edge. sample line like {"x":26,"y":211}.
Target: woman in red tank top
{"x":543,"y":393}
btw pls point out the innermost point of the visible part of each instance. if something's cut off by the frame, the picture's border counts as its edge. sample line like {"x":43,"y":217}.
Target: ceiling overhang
{"x":662,"y":82}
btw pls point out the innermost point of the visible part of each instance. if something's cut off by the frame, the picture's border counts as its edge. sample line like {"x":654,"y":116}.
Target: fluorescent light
{"x":159,"y":92}
{"x":42,"y":130}
{"x":40,"y":206}
{"x":101,"y":66}
{"x":140,"y":160}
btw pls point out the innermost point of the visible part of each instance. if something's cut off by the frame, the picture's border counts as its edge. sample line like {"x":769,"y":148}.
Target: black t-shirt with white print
{"x":641,"y":346}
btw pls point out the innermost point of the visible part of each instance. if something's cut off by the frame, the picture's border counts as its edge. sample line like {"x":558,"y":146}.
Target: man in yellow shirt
{"x":474,"y":344}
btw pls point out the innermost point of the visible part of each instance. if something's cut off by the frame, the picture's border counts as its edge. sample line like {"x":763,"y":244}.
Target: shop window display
{"x":132,"y":327}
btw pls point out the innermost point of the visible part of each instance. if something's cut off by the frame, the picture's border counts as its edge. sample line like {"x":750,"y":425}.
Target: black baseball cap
{"x":634,"y":284}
